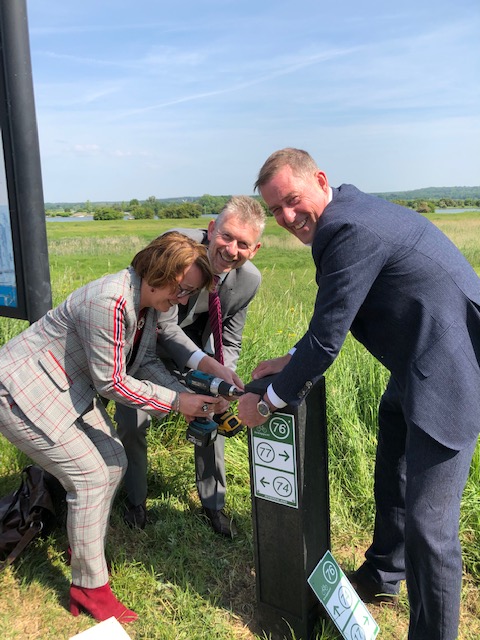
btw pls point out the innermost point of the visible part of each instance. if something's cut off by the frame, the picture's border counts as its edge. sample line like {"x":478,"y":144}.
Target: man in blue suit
{"x":404,"y":291}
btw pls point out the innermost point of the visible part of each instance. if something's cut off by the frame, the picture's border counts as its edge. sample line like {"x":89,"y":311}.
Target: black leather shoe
{"x":221,"y":523}
{"x":370,"y":591}
{"x":136,"y":516}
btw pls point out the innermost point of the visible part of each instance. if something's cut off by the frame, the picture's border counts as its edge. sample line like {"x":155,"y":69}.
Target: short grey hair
{"x":246,"y":209}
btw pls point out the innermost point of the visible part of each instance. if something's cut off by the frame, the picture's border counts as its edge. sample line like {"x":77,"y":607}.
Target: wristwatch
{"x":263,"y":408}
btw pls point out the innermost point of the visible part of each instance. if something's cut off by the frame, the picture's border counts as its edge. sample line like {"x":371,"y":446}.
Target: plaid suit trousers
{"x":89,"y":460}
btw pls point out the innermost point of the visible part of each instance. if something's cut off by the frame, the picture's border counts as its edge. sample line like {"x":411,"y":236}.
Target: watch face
{"x":263,"y":409}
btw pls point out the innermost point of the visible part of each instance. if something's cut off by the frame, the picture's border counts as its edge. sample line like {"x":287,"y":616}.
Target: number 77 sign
{"x":274,"y":460}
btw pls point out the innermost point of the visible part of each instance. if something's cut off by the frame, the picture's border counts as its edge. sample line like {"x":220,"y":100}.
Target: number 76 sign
{"x":274,"y":461}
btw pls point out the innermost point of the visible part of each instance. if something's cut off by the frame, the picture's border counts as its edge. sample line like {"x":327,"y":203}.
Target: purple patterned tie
{"x":215,"y":316}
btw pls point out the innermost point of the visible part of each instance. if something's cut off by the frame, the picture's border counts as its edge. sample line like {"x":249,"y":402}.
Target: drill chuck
{"x":221,"y":388}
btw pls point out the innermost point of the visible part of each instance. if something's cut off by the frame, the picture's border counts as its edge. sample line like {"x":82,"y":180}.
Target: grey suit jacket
{"x":55,"y":367}
{"x":236,"y":292}
{"x":408,"y":294}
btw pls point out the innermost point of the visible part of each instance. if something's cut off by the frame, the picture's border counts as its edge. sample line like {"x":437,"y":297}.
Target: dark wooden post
{"x":290,"y":511}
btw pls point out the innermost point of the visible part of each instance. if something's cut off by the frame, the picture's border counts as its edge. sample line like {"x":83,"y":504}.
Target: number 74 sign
{"x":274,"y":460}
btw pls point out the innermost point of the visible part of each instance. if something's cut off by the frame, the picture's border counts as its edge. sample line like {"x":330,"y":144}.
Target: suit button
{"x":306,"y":388}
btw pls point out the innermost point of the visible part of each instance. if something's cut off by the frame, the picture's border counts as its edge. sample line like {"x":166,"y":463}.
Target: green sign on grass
{"x":341,"y":601}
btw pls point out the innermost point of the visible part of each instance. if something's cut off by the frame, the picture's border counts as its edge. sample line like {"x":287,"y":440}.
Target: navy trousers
{"x":418,"y":489}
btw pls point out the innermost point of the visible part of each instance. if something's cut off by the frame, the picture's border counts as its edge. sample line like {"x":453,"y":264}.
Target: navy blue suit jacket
{"x":407,"y":293}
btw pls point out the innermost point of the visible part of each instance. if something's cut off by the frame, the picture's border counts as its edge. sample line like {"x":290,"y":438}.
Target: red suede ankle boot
{"x":99,"y":603}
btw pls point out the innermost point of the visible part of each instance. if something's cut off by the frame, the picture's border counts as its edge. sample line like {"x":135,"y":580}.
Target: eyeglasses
{"x":181,"y":293}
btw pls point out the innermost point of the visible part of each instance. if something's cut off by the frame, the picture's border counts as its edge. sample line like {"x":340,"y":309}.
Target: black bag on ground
{"x":27,"y":512}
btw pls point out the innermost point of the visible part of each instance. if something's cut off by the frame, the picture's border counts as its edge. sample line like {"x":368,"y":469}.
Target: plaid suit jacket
{"x":83,"y":347}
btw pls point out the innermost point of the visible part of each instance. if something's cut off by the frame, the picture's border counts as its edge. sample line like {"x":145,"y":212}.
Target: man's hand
{"x":209,"y":365}
{"x":269,"y":367}
{"x":247,"y":410}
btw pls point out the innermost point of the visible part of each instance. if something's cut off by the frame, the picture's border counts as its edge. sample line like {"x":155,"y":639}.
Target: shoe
{"x":369,"y":590}
{"x":221,"y":523}
{"x":136,"y":516}
{"x":99,"y":603}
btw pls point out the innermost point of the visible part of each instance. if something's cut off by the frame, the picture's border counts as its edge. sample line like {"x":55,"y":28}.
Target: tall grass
{"x":183,"y":580}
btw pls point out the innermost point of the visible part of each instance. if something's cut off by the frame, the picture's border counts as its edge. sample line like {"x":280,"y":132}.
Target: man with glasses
{"x":185,"y":342}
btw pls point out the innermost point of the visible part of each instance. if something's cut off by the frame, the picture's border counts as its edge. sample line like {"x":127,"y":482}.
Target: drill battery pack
{"x":202,"y":432}
{"x":228,"y":424}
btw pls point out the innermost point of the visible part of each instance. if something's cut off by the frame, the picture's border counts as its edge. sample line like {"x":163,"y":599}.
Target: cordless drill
{"x":203,"y":431}
{"x":210,"y":385}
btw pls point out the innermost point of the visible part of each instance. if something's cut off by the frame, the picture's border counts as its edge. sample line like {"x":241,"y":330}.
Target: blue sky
{"x":183,"y":98}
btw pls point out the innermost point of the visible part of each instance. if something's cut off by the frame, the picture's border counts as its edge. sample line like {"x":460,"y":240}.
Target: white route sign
{"x":274,"y":461}
{"x":341,"y":601}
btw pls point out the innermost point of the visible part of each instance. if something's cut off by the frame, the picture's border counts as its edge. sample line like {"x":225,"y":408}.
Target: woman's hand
{"x":195,"y":405}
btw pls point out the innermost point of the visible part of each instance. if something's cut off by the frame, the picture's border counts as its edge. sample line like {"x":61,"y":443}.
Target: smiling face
{"x":163,"y":298}
{"x":297,"y":202}
{"x":231,"y":243}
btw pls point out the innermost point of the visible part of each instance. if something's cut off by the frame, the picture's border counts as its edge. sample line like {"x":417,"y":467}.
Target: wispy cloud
{"x":271,"y":71}
{"x":192,"y":105}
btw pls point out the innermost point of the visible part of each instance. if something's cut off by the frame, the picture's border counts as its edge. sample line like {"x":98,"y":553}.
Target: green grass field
{"x":183,"y":580}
